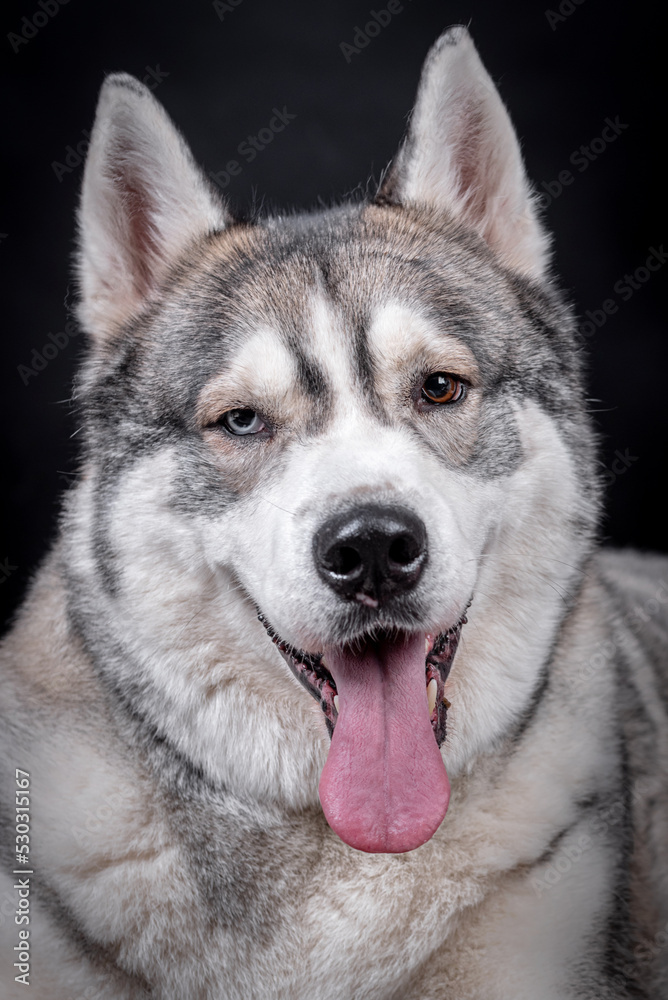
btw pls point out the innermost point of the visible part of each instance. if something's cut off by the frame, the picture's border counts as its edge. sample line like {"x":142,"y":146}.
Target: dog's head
{"x":350,"y":425}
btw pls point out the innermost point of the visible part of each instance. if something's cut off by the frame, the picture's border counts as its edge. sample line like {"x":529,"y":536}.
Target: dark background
{"x":224,"y":77}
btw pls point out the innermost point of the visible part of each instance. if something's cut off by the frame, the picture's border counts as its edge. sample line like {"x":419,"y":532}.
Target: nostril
{"x":344,"y":560}
{"x":403,"y":550}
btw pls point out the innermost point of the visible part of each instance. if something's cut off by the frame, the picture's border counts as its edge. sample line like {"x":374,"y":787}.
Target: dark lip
{"x":313,"y":675}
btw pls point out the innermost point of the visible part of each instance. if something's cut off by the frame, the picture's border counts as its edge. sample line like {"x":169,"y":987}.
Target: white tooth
{"x":431,"y":694}
{"x":336,"y":702}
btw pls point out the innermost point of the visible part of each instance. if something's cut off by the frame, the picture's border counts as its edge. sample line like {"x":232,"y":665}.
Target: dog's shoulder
{"x":637,"y":583}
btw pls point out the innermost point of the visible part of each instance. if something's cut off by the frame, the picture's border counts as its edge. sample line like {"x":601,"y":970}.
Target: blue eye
{"x":242,"y":422}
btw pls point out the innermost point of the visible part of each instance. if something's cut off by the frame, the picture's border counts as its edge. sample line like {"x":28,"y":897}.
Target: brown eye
{"x":441,"y":387}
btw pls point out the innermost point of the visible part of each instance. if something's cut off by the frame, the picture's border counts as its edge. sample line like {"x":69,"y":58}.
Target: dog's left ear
{"x":461,"y":155}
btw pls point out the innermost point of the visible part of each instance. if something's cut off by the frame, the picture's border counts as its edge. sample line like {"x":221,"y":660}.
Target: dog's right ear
{"x":143,"y":201}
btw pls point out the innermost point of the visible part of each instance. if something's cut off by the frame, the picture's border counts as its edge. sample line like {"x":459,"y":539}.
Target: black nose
{"x":371,"y":552}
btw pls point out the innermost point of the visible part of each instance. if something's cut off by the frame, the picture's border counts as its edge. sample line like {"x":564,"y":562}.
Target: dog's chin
{"x":384,"y":787}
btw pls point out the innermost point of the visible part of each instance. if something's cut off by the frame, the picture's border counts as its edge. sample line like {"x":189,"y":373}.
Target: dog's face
{"x":352,"y":425}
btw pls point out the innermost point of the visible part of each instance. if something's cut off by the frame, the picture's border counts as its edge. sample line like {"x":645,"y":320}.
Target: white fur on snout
{"x":359,"y":462}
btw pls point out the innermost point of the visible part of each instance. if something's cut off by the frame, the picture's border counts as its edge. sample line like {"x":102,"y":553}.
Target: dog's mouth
{"x":384,"y":787}
{"x":311,"y":671}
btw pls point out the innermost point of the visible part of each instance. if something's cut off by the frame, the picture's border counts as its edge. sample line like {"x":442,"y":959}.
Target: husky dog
{"x":324,"y":690}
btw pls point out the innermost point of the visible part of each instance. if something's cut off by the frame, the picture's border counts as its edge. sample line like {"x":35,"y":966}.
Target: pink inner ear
{"x":470,"y":159}
{"x":479,"y":168}
{"x":141,"y":239}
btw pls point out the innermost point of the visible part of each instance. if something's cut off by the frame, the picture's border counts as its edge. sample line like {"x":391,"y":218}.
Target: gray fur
{"x":178,"y":843}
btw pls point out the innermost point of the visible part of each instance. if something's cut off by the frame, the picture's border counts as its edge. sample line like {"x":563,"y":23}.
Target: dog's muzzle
{"x":384,"y":787}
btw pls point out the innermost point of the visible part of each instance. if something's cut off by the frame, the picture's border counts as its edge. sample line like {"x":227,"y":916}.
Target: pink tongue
{"x":384,"y":787}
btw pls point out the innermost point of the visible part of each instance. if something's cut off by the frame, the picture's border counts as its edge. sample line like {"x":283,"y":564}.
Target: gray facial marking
{"x":264,"y":276}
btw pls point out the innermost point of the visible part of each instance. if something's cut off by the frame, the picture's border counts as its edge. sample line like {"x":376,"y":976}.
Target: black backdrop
{"x":221,"y":69}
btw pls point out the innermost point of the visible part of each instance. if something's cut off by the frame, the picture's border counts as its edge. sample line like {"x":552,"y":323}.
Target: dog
{"x":326,"y":688}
